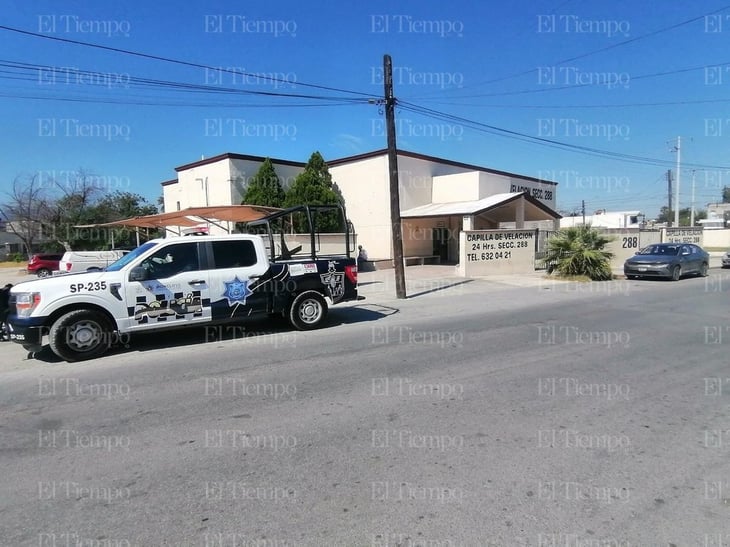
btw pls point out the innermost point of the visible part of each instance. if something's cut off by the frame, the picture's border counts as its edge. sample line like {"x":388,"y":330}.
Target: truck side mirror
{"x":138,"y":273}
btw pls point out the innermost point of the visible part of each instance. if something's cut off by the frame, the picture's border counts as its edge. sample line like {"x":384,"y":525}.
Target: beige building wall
{"x":416,"y":177}
{"x":457,"y":187}
{"x":717,"y":238}
{"x":365,"y":187}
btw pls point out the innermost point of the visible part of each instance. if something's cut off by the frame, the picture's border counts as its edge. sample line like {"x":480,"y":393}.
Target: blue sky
{"x":610,"y":77}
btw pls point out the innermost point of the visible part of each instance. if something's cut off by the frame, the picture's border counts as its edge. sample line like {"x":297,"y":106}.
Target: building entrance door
{"x":441,"y":244}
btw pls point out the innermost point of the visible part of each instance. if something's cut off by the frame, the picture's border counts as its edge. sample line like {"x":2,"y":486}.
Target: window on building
{"x":233,"y":254}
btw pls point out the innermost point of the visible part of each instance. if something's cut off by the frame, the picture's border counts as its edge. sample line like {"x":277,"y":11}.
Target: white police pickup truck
{"x":182,"y":281}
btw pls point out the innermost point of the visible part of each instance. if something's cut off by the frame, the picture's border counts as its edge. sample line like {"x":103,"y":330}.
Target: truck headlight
{"x":26,"y":302}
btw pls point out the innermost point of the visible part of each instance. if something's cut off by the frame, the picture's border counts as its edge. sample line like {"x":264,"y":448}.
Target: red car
{"x":43,"y":264}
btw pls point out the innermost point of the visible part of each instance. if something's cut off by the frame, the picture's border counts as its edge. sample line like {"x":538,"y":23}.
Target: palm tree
{"x":579,"y":250}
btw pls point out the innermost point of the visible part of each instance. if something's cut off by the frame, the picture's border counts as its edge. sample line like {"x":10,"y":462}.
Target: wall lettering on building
{"x":684,"y":235}
{"x":537,"y":193}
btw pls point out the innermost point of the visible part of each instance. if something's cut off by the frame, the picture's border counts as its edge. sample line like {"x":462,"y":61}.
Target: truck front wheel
{"x":80,"y":335}
{"x":308,"y":310}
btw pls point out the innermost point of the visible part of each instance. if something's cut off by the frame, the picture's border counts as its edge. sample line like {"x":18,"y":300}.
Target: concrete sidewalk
{"x":441,"y":280}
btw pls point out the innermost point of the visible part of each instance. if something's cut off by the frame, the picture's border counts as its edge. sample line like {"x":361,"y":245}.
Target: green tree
{"x":579,"y":250}
{"x":726,"y":194}
{"x":685,"y":215}
{"x":665,"y":215}
{"x":265,"y":187}
{"x":117,"y":206}
{"x":120,"y":205}
{"x":46,"y":214}
{"x":314,"y":186}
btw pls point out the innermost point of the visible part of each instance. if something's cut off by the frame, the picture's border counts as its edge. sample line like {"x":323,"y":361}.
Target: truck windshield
{"x":129,"y":257}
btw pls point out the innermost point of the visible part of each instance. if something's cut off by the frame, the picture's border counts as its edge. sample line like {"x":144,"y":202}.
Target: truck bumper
{"x":27,"y":331}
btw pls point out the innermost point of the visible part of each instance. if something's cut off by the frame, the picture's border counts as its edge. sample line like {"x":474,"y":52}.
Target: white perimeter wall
{"x":716,"y":238}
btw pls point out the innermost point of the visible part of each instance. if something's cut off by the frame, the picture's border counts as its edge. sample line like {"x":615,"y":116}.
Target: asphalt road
{"x":556,"y":415}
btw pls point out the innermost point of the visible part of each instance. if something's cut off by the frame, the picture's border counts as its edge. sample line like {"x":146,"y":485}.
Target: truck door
{"x":237,"y":286}
{"x":176,"y":290}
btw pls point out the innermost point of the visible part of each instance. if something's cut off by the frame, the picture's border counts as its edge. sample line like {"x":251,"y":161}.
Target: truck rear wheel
{"x":308,"y":310}
{"x":80,"y":335}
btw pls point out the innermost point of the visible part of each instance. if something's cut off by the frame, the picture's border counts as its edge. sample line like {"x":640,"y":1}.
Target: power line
{"x":576,"y":106}
{"x":577,"y":86}
{"x":606,"y":48}
{"x":31,"y":72}
{"x":143,"y":102}
{"x":486,"y":128}
{"x":171,"y":60}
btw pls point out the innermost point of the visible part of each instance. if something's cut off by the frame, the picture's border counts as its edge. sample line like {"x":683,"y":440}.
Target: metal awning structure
{"x":192,"y":216}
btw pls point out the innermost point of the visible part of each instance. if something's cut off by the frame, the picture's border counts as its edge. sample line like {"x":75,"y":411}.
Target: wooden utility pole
{"x":396,"y":232}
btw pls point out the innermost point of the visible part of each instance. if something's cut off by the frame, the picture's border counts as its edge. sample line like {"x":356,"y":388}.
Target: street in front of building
{"x":474,"y":412}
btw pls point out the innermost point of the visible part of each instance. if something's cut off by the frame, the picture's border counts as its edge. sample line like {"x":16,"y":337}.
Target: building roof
{"x":476,"y":207}
{"x":384,"y":151}
{"x":352,"y":159}
{"x":232,"y":156}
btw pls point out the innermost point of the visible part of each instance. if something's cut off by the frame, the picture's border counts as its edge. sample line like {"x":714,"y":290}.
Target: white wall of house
{"x":619,"y":219}
{"x":205,"y":185}
{"x":222,"y":182}
{"x":199,"y":186}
